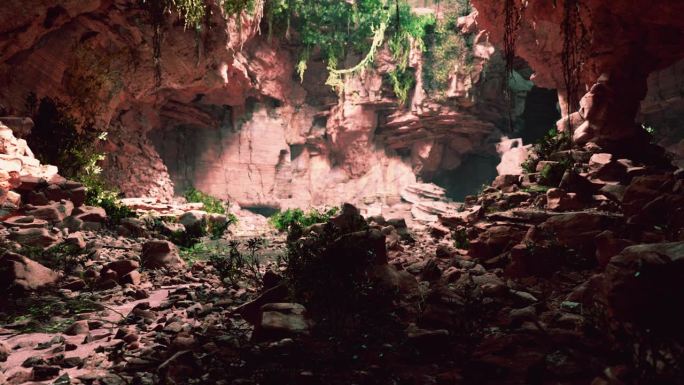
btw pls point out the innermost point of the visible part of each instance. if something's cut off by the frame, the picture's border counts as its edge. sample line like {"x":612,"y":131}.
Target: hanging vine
{"x":512,"y":20}
{"x":575,"y":45}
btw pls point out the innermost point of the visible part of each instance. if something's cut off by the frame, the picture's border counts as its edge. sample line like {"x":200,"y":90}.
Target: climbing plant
{"x":575,"y":44}
{"x":513,"y":16}
{"x":447,"y":49}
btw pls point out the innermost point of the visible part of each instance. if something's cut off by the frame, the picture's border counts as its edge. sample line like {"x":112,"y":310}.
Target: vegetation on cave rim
{"x":335,"y":30}
{"x":446,"y":49}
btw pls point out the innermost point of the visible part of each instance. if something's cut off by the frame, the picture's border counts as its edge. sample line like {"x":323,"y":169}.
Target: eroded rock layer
{"x":230,"y":116}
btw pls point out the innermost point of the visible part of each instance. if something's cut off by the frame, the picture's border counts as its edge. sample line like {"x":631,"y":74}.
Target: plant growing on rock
{"x":59,"y":138}
{"x":551,"y":142}
{"x":283,"y":220}
{"x":211,"y":204}
{"x":233,"y":266}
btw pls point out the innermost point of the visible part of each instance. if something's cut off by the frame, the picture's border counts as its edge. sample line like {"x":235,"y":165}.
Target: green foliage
{"x":282,"y":221}
{"x":237,"y":7}
{"x":407,"y":30}
{"x":211,"y":204}
{"x":233,"y":265}
{"x":461,"y":240}
{"x":446,"y":49}
{"x":327,"y":271}
{"x":552,"y":142}
{"x":47,"y":314}
{"x":100,"y":195}
{"x":59,"y":138}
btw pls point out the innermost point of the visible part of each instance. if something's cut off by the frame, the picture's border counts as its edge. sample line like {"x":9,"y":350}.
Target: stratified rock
{"x":161,"y":255}
{"x":23,"y":273}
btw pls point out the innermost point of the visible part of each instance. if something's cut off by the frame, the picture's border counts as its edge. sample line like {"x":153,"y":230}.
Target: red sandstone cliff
{"x":230,"y":116}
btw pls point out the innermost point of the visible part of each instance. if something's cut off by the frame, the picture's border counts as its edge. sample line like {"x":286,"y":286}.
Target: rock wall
{"x":230,"y":117}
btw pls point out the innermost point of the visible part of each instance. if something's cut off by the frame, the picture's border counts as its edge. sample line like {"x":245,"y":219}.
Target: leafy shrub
{"x":446,"y":48}
{"x":328,"y":272}
{"x":461,"y":240}
{"x":282,"y":221}
{"x":211,"y":204}
{"x":235,"y":266}
{"x":59,"y":138}
{"x":552,"y":142}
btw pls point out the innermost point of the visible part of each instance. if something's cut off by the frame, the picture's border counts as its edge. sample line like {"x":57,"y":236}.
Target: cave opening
{"x":479,"y":168}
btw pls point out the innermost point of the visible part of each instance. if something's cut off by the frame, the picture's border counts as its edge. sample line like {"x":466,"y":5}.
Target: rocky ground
{"x":572,"y":274}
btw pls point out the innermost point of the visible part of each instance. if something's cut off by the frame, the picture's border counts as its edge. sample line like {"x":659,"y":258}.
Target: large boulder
{"x":195,"y":222}
{"x":578,"y":229}
{"x":19,"y":272}
{"x":494,"y":241}
{"x":159,"y":254}
{"x":53,"y":212}
{"x":644,"y":285}
{"x":33,"y":237}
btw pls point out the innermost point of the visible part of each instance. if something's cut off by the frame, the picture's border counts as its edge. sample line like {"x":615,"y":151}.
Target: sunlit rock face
{"x":231,"y":117}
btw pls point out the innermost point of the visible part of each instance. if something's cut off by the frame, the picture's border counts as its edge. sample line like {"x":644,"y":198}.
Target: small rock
{"x":78,"y":327}
{"x":4,"y":351}
{"x":161,"y":254}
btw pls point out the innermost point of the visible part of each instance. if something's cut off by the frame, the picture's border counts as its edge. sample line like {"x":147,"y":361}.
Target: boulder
{"x":577,"y":229}
{"x":132,"y":227}
{"x":194,"y":222}
{"x":78,"y":327}
{"x":282,"y":320}
{"x":90,"y":214}
{"x":76,"y":240}
{"x":494,"y":241}
{"x":5,"y":351}
{"x":121,"y":267}
{"x":159,"y":254}
{"x":644,"y":285}
{"x":608,"y":245}
{"x":559,"y":200}
{"x":33,"y":237}
{"x":17,"y":271}
{"x":506,"y":182}
{"x":25,"y":222}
